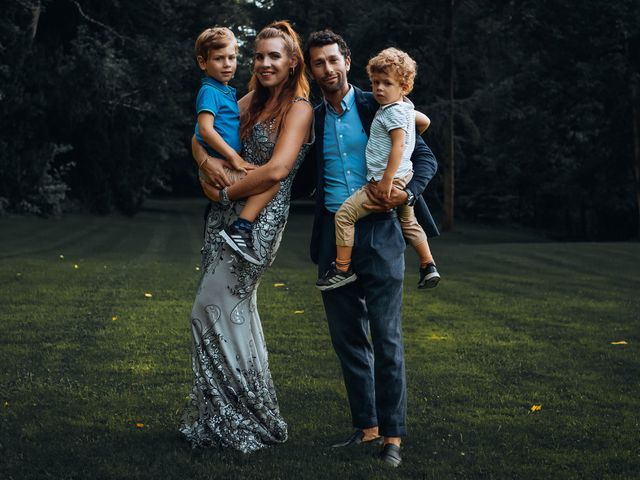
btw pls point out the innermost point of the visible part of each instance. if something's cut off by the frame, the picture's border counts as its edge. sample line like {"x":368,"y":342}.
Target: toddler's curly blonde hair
{"x":393,"y":61}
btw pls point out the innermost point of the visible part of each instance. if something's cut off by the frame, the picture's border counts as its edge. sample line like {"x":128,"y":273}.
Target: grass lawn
{"x":94,"y":374}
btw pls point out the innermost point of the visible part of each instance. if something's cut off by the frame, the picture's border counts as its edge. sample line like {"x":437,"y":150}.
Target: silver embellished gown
{"x":233,"y":403}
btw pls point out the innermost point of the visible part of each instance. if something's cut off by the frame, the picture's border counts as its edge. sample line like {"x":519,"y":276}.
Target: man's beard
{"x":336,"y":87}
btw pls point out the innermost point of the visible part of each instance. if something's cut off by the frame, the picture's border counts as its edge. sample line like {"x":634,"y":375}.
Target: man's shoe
{"x":429,"y":276}
{"x":241,"y":241}
{"x":357,"y":439}
{"x":390,"y":455}
{"x":334,"y":278}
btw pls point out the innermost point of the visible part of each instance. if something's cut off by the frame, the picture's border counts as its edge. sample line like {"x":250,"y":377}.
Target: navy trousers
{"x":373,"y":369}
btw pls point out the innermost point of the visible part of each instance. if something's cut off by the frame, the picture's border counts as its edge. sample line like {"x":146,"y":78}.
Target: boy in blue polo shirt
{"x":218,"y":128}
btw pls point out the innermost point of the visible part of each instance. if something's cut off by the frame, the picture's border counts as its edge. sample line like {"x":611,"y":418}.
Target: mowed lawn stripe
{"x":511,"y":326}
{"x":49,"y":238}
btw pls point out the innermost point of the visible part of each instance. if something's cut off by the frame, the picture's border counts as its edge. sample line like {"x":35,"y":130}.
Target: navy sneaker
{"x":334,"y":278}
{"x":429,"y":276}
{"x":241,"y":241}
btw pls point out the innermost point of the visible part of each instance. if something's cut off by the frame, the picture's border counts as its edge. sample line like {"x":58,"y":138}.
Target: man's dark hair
{"x":322,"y":38}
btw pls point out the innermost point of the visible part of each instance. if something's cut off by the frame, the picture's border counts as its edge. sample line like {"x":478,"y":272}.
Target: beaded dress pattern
{"x":233,"y":403}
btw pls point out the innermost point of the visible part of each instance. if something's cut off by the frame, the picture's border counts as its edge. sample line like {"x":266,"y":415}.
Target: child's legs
{"x":414,"y":234}
{"x":256,"y":203}
{"x":349,"y":213}
{"x":411,"y":229}
{"x":424,"y":252}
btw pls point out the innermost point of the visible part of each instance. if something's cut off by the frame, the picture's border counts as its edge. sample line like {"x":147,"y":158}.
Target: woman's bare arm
{"x":294,"y":132}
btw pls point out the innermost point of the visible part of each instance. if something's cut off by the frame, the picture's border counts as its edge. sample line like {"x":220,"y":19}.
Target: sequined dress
{"x":232,"y":403}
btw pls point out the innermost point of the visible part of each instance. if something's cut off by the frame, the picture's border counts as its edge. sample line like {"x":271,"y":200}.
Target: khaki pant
{"x":353,"y":210}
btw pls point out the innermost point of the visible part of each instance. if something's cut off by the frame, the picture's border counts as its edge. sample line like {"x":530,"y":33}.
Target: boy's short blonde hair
{"x":212,"y":39}
{"x":397,"y":63}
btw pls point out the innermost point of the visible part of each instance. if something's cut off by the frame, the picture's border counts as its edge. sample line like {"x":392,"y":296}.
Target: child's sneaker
{"x":334,"y":278}
{"x":242,"y":242}
{"x":429,"y":276}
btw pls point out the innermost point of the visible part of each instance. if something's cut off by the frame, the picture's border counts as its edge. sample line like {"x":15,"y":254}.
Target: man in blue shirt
{"x":373,"y":371}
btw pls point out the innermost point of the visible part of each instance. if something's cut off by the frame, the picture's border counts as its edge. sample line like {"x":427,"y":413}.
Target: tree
{"x":534,"y":105}
{"x":450,"y":164}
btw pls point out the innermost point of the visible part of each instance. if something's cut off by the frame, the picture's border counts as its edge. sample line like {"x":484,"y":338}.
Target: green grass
{"x":516,"y":321}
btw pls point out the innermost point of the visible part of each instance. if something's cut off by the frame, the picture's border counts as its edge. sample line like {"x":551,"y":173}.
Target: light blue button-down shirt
{"x":345,"y":141}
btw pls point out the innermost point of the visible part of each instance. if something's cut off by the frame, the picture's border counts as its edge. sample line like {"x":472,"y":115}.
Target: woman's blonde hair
{"x":397,"y":63}
{"x":296,"y":84}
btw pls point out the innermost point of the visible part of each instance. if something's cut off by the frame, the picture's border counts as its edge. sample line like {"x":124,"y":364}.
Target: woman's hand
{"x":213,"y":169}
{"x":211,"y":192}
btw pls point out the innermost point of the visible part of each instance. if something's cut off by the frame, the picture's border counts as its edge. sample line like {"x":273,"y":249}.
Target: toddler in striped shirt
{"x":388,"y":156}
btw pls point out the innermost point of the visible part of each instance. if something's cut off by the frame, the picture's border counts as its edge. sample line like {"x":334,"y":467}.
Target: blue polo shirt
{"x":219,"y":100}
{"x":345,"y":142}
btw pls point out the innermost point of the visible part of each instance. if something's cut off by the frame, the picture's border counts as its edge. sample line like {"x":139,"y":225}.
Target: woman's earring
{"x":291,"y":71}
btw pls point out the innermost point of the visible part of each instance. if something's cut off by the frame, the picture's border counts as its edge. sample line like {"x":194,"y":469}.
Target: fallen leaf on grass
{"x":148,"y":295}
{"x":620,"y":342}
{"x":114,"y":318}
{"x":278,"y":285}
{"x":536,"y":408}
{"x":298,"y":311}
{"x":436,"y":337}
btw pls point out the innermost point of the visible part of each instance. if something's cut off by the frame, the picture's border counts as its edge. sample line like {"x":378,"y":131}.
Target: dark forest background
{"x":534,"y":104}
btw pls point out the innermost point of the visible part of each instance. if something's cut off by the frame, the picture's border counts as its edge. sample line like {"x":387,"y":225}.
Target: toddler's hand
{"x":239,"y":163}
{"x":246,"y":166}
{"x":384,"y":187}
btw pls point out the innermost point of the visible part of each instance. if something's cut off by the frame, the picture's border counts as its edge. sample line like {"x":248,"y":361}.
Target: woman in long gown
{"x":233,"y":401}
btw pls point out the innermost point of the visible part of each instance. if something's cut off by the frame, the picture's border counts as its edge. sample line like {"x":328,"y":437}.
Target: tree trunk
{"x":635,"y":109}
{"x":449,"y":170}
{"x":35,"y":19}
{"x":633,"y":76}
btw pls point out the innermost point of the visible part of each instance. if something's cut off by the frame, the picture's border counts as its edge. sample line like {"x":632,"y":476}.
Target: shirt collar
{"x":346,"y":103}
{"x":399,"y":102}
{"x":206,"y":80}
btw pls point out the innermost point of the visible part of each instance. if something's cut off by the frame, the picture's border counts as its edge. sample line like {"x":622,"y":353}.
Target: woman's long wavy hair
{"x":296,"y":84}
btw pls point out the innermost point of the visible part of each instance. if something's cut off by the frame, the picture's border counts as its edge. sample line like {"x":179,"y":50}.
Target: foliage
{"x":107,"y":80}
{"x":544,"y":107}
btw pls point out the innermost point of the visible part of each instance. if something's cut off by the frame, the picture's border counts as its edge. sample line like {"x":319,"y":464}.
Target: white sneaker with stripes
{"x":334,"y":278}
{"x":241,"y":242}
